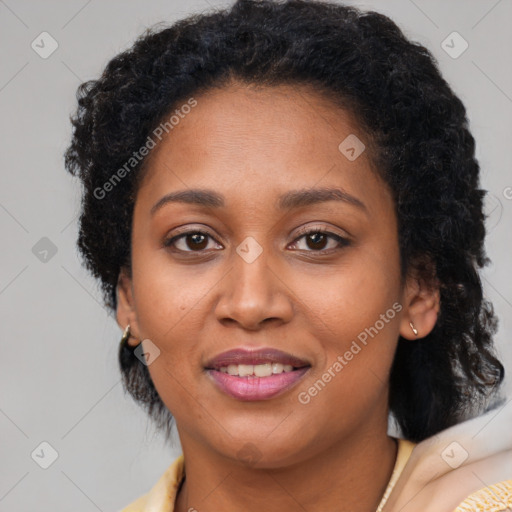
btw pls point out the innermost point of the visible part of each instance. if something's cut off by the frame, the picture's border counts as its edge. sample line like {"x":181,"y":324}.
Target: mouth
{"x":251,"y":375}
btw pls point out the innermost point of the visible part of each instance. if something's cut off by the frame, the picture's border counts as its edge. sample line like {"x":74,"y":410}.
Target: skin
{"x":252,"y":145}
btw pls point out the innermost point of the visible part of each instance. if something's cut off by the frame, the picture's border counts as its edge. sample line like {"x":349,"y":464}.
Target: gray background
{"x":59,"y":379}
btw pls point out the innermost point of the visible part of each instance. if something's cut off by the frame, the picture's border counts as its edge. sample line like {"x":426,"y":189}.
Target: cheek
{"x":356,"y":325}
{"x":168,"y":302}
{"x":353,"y":295}
{"x":167,"y":295}
{"x":354,"y":314}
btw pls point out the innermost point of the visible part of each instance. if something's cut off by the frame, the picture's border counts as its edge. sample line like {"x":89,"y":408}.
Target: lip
{"x":252,"y":388}
{"x":256,"y":388}
{"x":254,"y":356}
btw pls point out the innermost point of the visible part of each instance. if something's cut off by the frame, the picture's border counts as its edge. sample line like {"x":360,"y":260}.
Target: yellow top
{"x":162,"y":496}
{"x":493,"y":498}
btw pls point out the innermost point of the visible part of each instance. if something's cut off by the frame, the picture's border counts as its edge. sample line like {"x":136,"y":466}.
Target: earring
{"x":414,"y":330}
{"x":126,"y":337}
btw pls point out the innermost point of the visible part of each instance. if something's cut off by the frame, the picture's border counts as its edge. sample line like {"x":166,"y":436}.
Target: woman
{"x":281,"y":201}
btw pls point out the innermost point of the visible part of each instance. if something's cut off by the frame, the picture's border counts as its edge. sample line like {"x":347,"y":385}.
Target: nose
{"x":253,"y":294}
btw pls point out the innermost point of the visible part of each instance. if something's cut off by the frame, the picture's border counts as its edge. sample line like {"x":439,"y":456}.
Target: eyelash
{"x":342,"y":241}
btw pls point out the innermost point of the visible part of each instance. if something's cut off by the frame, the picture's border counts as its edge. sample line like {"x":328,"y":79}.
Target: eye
{"x":317,"y":238}
{"x":196,"y":241}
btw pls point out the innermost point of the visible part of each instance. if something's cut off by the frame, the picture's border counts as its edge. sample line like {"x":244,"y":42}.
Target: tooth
{"x":257,"y":370}
{"x":277,"y":368}
{"x":233,"y":369}
{"x":245,"y":369}
{"x":263,"y":370}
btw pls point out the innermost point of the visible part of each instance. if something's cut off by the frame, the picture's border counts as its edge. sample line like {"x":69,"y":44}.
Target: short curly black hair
{"x":424,"y":151}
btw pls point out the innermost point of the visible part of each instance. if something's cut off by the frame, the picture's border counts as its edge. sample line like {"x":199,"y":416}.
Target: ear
{"x":125,"y":312}
{"x":421,"y":306}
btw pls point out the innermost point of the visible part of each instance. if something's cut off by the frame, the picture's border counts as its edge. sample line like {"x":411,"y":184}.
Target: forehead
{"x":276,"y":138}
{"x":239,"y":119}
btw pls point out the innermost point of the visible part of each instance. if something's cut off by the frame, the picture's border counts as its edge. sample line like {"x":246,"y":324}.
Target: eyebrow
{"x":289,"y":200}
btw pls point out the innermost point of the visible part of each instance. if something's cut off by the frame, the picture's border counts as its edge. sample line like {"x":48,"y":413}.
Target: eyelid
{"x":320,"y":228}
{"x":187,"y":228}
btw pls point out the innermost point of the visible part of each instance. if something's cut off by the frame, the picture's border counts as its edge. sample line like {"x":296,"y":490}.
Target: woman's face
{"x":253,"y":281}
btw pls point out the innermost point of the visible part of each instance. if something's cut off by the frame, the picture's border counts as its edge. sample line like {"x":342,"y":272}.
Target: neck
{"x":354,"y":474}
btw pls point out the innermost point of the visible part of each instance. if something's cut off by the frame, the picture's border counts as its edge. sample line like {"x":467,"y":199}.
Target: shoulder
{"x":493,"y":498}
